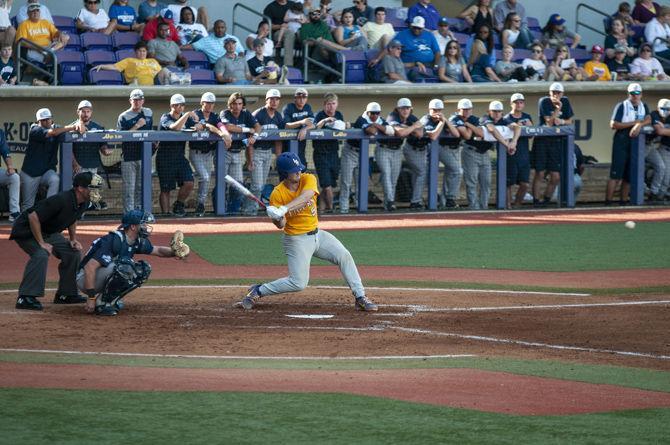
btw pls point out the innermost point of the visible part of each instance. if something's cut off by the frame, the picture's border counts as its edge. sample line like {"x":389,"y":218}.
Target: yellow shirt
{"x":598,"y":68}
{"x":144,"y":70}
{"x":300,"y":221}
{"x":41,"y":32}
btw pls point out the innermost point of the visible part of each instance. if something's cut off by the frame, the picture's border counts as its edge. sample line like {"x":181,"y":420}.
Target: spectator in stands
{"x":623,"y":14}
{"x":86,"y":156}
{"x":326,"y":6}
{"x":262,"y":69}
{"x":317,"y":34}
{"x":563,"y":68}
{"x":555,"y":33}
{"x":7,"y":71}
{"x":646,"y":67}
{"x":201,"y":15}
{"x":537,"y":61}
{"x":276,"y":11}
{"x":151,"y":28}
{"x":378,"y":32}
{"x":361,"y":11}
{"x":137,"y":117}
{"x":393,"y":68}
{"x":22,"y":15}
{"x":659,"y":156}
{"x":212,"y":45}
{"x":232,"y":68}
{"x":555,"y":111}
{"x":443,"y":35}
{"x":9,"y":178}
{"x":425,"y":9}
{"x":293,"y":20}
{"x":189,"y":31}
{"x":7,"y":31}
{"x":149,"y":10}
{"x":452,"y":66}
{"x":514,"y":34}
{"x":420,"y":51}
{"x":171,"y":164}
{"x":518,"y":163}
{"x":619,"y":69}
{"x":595,"y":68}
{"x":270,"y":118}
{"x":657,"y":32}
{"x":350,"y":35}
{"x":139,"y":70}
{"x":618,"y":35}
{"x":628,"y":119}
{"x":326,"y":151}
{"x":93,"y":19}
{"x":644,"y":11}
{"x":481,"y":60}
{"x":165,"y":50}
{"x":506,"y":7}
{"x":478,"y":14}
{"x":263,"y":34}
{"x":298,"y":114}
{"x":506,"y":69}
{"x":124,"y":17}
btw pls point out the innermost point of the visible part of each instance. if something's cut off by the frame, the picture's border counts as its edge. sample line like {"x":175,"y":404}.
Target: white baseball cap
{"x":404,"y":102}
{"x":338,"y":125}
{"x":45,"y":113}
{"x":436,"y":104}
{"x":208,"y":97}
{"x":557,"y":86}
{"x":464,"y":104}
{"x":177,"y":99}
{"x":300,"y":91}
{"x":516,"y":96}
{"x":137,"y":94}
{"x":84,"y":104}
{"x":374,"y":107}
{"x":418,"y":22}
{"x":663,"y":103}
{"x":272,"y":92}
{"x":634,"y":88}
{"x":496,"y":105}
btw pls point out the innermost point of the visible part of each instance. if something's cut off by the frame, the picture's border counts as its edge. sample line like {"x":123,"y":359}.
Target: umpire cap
{"x":288,"y":162}
{"x":87,"y":179}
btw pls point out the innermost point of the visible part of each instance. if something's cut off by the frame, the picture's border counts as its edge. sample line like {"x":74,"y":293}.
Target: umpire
{"x":38,"y":232}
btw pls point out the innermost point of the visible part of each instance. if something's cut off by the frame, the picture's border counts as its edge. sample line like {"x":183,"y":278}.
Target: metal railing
{"x":27,"y":45}
{"x":307,"y":60}
{"x":587,"y":24}
{"x":255,"y":12}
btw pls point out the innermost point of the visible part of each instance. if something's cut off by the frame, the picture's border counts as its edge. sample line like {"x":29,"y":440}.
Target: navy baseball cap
{"x":288,"y":162}
{"x":443,"y":21}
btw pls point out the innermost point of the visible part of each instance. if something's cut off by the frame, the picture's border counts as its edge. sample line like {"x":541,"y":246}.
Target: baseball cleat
{"x":364,"y":304}
{"x":69,"y":299}
{"x":249,"y":301}
{"x":105,"y":310}
{"x":28,"y":303}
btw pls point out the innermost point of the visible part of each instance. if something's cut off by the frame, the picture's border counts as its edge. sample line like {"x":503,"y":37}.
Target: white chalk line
{"x":421,"y":308}
{"x":422,"y":289}
{"x":236,"y":357}
{"x":530,"y":343}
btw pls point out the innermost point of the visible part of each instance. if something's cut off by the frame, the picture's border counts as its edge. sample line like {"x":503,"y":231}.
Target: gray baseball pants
{"x":101,"y":275}
{"x":417,"y":161}
{"x":348,"y":163}
{"x":389,"y":162}
{"x":477,"y":171}
{"x":660,"y":159}
{"x":203,"y":164}
{"x":30,"y":185}
{"x":259,"y":176}
{"x":13,"y":183}
{"x":131,"y":174}
{"x":451,"y":182}
{"x":300,"y":249}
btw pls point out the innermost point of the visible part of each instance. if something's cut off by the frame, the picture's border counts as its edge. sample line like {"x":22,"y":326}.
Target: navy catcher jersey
{"x":114,"y":246}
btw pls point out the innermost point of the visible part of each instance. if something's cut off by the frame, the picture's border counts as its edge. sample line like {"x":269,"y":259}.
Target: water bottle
{"x":245,"y":142}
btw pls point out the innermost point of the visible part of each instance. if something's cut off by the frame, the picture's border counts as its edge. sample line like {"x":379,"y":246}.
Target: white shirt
{"x":376,"y":32}
{"x":188,"y":33}
{"x":268,"y":48}
{"x":4,"y":14}
{"x":655,"y":29}
{"x":22,"y":15}
{"x":538,"y":65}
{"x":645,"y":67}
{"x":176,"y":11}
{"x":442,"y":41}
{"x":95,"y":21}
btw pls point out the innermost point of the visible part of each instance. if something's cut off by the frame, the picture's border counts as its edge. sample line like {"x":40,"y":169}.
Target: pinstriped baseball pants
{"x":477,"y":171}
{"x":131,"y":174}
{"x":451,"y":182}
{"x":259,"y":176}
{"x":418,"y":164}
{"x":348,"y":163}
{"x":203,"y":165}
{"x":389,"y":162}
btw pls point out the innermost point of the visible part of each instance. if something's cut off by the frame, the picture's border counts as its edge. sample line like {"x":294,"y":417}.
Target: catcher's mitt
{"x":178,"y":246}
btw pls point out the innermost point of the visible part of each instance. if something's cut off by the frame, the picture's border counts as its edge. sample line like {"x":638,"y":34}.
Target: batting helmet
{"x":288,"y":163}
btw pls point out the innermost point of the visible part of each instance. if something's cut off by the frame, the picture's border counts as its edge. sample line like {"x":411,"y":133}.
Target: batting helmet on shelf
{"x":288,"y":163}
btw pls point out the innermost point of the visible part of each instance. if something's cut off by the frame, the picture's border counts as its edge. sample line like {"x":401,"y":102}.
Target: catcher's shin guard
{"x":127,"y":276}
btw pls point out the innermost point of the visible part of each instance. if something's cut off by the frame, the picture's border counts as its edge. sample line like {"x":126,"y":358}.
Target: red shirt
{"x":151,"y":30}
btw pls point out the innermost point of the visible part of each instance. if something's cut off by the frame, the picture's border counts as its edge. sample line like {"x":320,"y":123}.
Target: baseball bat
{"x":242,"y":189}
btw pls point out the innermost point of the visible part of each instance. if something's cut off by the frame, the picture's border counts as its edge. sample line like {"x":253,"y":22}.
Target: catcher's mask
{"x":92,"y":181}
{"x":141,"y":218}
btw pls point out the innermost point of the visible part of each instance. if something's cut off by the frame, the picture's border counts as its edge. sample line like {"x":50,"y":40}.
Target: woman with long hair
{"x":513,"y":34}
{"x":618,"y":35}
{"x":563,"y":67}
{"x":481,"y":60}
{"x":189,"y":31}
{"x":478,"y":14}
{"x":452,"y":67}
{"x":349,"y":34}
{"x":555,"y":33}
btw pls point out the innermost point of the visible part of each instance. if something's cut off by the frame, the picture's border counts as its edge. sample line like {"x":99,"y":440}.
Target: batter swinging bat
{"x":242,"y":189}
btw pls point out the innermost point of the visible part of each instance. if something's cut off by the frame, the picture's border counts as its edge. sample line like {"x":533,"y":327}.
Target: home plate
{"x":311,"y":316}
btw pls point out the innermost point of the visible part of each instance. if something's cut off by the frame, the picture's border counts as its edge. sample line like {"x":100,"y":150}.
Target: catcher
{"x":108,"y":271}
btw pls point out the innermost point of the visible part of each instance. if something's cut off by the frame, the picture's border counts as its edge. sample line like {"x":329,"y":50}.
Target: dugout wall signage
{"x":17,"y":135}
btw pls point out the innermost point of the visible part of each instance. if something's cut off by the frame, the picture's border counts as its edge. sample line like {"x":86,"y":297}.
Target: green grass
{"x":105,"y":417}
{"x":553,"y":248}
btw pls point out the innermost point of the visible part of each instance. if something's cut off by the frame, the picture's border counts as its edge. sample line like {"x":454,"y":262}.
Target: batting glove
{"x":276,"y":213}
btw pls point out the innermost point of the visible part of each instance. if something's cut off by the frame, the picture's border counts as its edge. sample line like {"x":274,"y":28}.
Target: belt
{"x":391,"y":147}
{"x":313,"y":232}
{"x":477,"y":149}
{"x":414,"y":147}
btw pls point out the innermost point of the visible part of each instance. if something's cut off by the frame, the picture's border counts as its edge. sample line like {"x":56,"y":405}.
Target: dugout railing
{"x":147,"y":138}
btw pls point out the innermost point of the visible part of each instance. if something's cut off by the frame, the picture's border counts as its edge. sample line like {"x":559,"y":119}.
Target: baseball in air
{"x":630,"y":224}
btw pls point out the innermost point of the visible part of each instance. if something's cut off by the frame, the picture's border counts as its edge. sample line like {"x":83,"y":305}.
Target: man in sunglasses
{"x":627,"y":120}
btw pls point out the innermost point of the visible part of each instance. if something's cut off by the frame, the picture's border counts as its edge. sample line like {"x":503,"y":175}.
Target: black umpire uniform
{"x":54,"y":214}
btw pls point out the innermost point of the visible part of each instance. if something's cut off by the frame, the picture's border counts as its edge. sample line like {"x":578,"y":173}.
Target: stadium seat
{"x":375,"y":72}
{"x":533,"y":24}
{"x":398,"y":21}
{"x":457,"y":25}
{"x":521,"y":53}
{"x":537,"y":34}
{"x":64,"y":23}
{"x":125,"y":40}
{"x":71,"y":66}
{"x":294,"y":76}
{"x":124,"y":54}
{"x":74,"y":43}
{"x":96,"y":40}
{"x":202,"y":77}
{"x":98,"y":57}
{"x":356,"y":63}
{"x":105,"y":77}
{"x":462,"y":38}
{"x":196,"y":59}
{"x":580,"y":55}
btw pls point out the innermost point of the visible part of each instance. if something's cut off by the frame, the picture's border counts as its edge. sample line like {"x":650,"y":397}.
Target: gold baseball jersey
{"x":300,"y":221}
